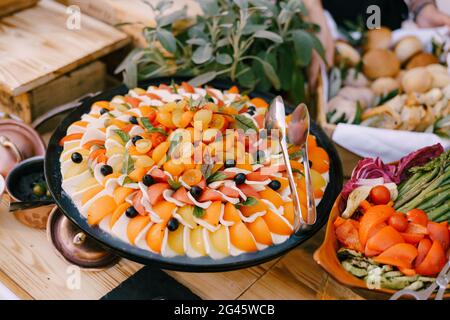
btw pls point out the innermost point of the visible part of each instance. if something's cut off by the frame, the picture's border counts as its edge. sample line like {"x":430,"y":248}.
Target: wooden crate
{"x":39,"y":55}
{"x":348,"y":158}
{"x":114,"y":12}
{"x":11,"y":6}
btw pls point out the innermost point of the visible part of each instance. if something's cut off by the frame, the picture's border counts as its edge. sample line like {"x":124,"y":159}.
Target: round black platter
{"x":184,"y":263}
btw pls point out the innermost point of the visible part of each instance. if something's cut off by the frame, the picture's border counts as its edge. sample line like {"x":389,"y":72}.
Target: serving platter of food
{"x":123,"y":167}
{"x":388,"y":229}
{"x":390,"y":81}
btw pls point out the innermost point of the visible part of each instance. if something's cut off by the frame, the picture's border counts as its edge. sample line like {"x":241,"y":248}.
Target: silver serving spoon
{"x":298,"y":135}
{"x":275,"y":124}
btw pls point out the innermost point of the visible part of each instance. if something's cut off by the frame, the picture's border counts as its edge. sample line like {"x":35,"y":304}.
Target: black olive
{"x":275,"y":185}
{"x":147,"y":180}
{"x":103,"y":110}
{"x":230,"y":163}
{"x":173,"y":224}
{"x":135,"y":138}
{"x":106,"y":169}
{"x":251,"y":112}
{"x":252,"y":108}
{"x":131,"y":212}
{"x":76,"y":157}
{"x":239,"y":178}
{"x":133,"y":120}
{"x":310,"y":163}
{"x":196,"y":191}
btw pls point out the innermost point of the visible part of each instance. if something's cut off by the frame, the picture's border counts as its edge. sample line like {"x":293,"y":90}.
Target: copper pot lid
{"x":75,"y":246}
{"x":18,"y":141}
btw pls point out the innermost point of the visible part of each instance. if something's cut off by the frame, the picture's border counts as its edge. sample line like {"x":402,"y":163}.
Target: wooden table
{"x":31,"y":269}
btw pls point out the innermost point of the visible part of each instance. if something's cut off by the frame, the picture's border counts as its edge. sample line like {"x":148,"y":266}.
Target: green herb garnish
{"x":175,"y":185}
{"x":149,"y":127}
{"x":245,"y":123}
{"x":217,"y":176}
{"x":128,"y":164}
{"x":123,"y":135}
{"x":249,"y":202}
{"x":198,"y":212}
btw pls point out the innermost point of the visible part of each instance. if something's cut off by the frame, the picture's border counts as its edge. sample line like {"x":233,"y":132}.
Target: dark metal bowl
{"x":184,"y":263}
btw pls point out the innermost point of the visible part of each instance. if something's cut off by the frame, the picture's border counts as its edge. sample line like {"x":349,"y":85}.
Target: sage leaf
{"x":167,"y":40}
{"x":223,"y":58}
{"x":272,"y":36}
{"x":242,"y":4}
{"x":203,"y":78}
{"x":202,"y":54}
{"x":197,"y":41}
{"x":245,"y":123}
{"x":303,"y":46}
{"x":270,"y":73}
{"x":170,"y":18}
{"x":209,"y":7}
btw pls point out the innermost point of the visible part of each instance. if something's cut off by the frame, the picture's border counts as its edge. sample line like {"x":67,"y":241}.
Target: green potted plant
{"x":259,"y":44}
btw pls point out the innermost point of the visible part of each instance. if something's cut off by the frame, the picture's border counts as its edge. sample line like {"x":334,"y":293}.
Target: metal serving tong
{"x":441,"y":282}
{"x":275,"y":122}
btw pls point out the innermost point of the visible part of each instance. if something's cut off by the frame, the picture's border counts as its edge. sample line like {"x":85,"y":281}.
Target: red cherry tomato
{"x":398,"y":221}
{"x":417,"y":216}
{"x":380,"y":195}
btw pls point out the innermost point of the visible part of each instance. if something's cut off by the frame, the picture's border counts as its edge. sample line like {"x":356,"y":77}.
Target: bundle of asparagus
{"x":428,"y":188}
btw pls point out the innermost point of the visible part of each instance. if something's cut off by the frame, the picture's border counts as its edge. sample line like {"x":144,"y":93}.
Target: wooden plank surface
{"x":10,"y":6}
{"x":36,"y":45}
{"x":135,"y":12}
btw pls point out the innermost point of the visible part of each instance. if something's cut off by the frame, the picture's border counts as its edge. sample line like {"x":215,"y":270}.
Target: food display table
{"x":31,"y":269}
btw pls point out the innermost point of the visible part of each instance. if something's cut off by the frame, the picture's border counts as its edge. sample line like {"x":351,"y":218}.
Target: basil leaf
{"x":245,"y":123}
{"x":175,"y":185}
{"x":149,"y":127}
{"x":127,"y":180}
{"x":296,"y":154}
{"x":198,"y":212}
{"x":249,"y":202}
{"x":128,"y":164}
{"x":217,"y":176}
{"x":176,"y":139}
{"x":123,"y":135}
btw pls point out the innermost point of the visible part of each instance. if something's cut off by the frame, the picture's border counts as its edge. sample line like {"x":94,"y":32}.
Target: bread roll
{"x":417,"y":80}
{"x":383,"y":86}
{"x":422,"y":59}
{"x":379,"y":63}
{"x":347,"y":54}
{"x":437,"y":68}
{"x":407,"y":47}
{"x":378,"y":39}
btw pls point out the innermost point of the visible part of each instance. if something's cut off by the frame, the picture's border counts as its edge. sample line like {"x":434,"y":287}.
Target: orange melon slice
{"x":89,"y":194}
{"x":258,"y":207}
{"x":260,"y":231}
{"x":272,"y":196}
{"x":231,"y":213}
{"x":212,"y":213}
{"x":101,"y":208}
{"x":164,"y":210}
{"x":242,"y":238}
{"x":135,"y":226}
{"x":289,"y":212}
{"x":276,"y":224}
{"x":155,"y":192}
{"x":121,"y":193}
{"x":181,"y":195}
{"x":155,"y":236}
{"x":137,"y":174}
{"x":118,"y":213}
{"x":210,"y":195}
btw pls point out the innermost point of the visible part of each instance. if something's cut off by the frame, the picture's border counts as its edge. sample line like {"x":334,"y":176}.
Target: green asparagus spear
{"x":435,"y":198}
{"x":439,"y":211}
{"x":419,"y":198}
{"x":417,"y":188}
{"x":444,"y":217}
